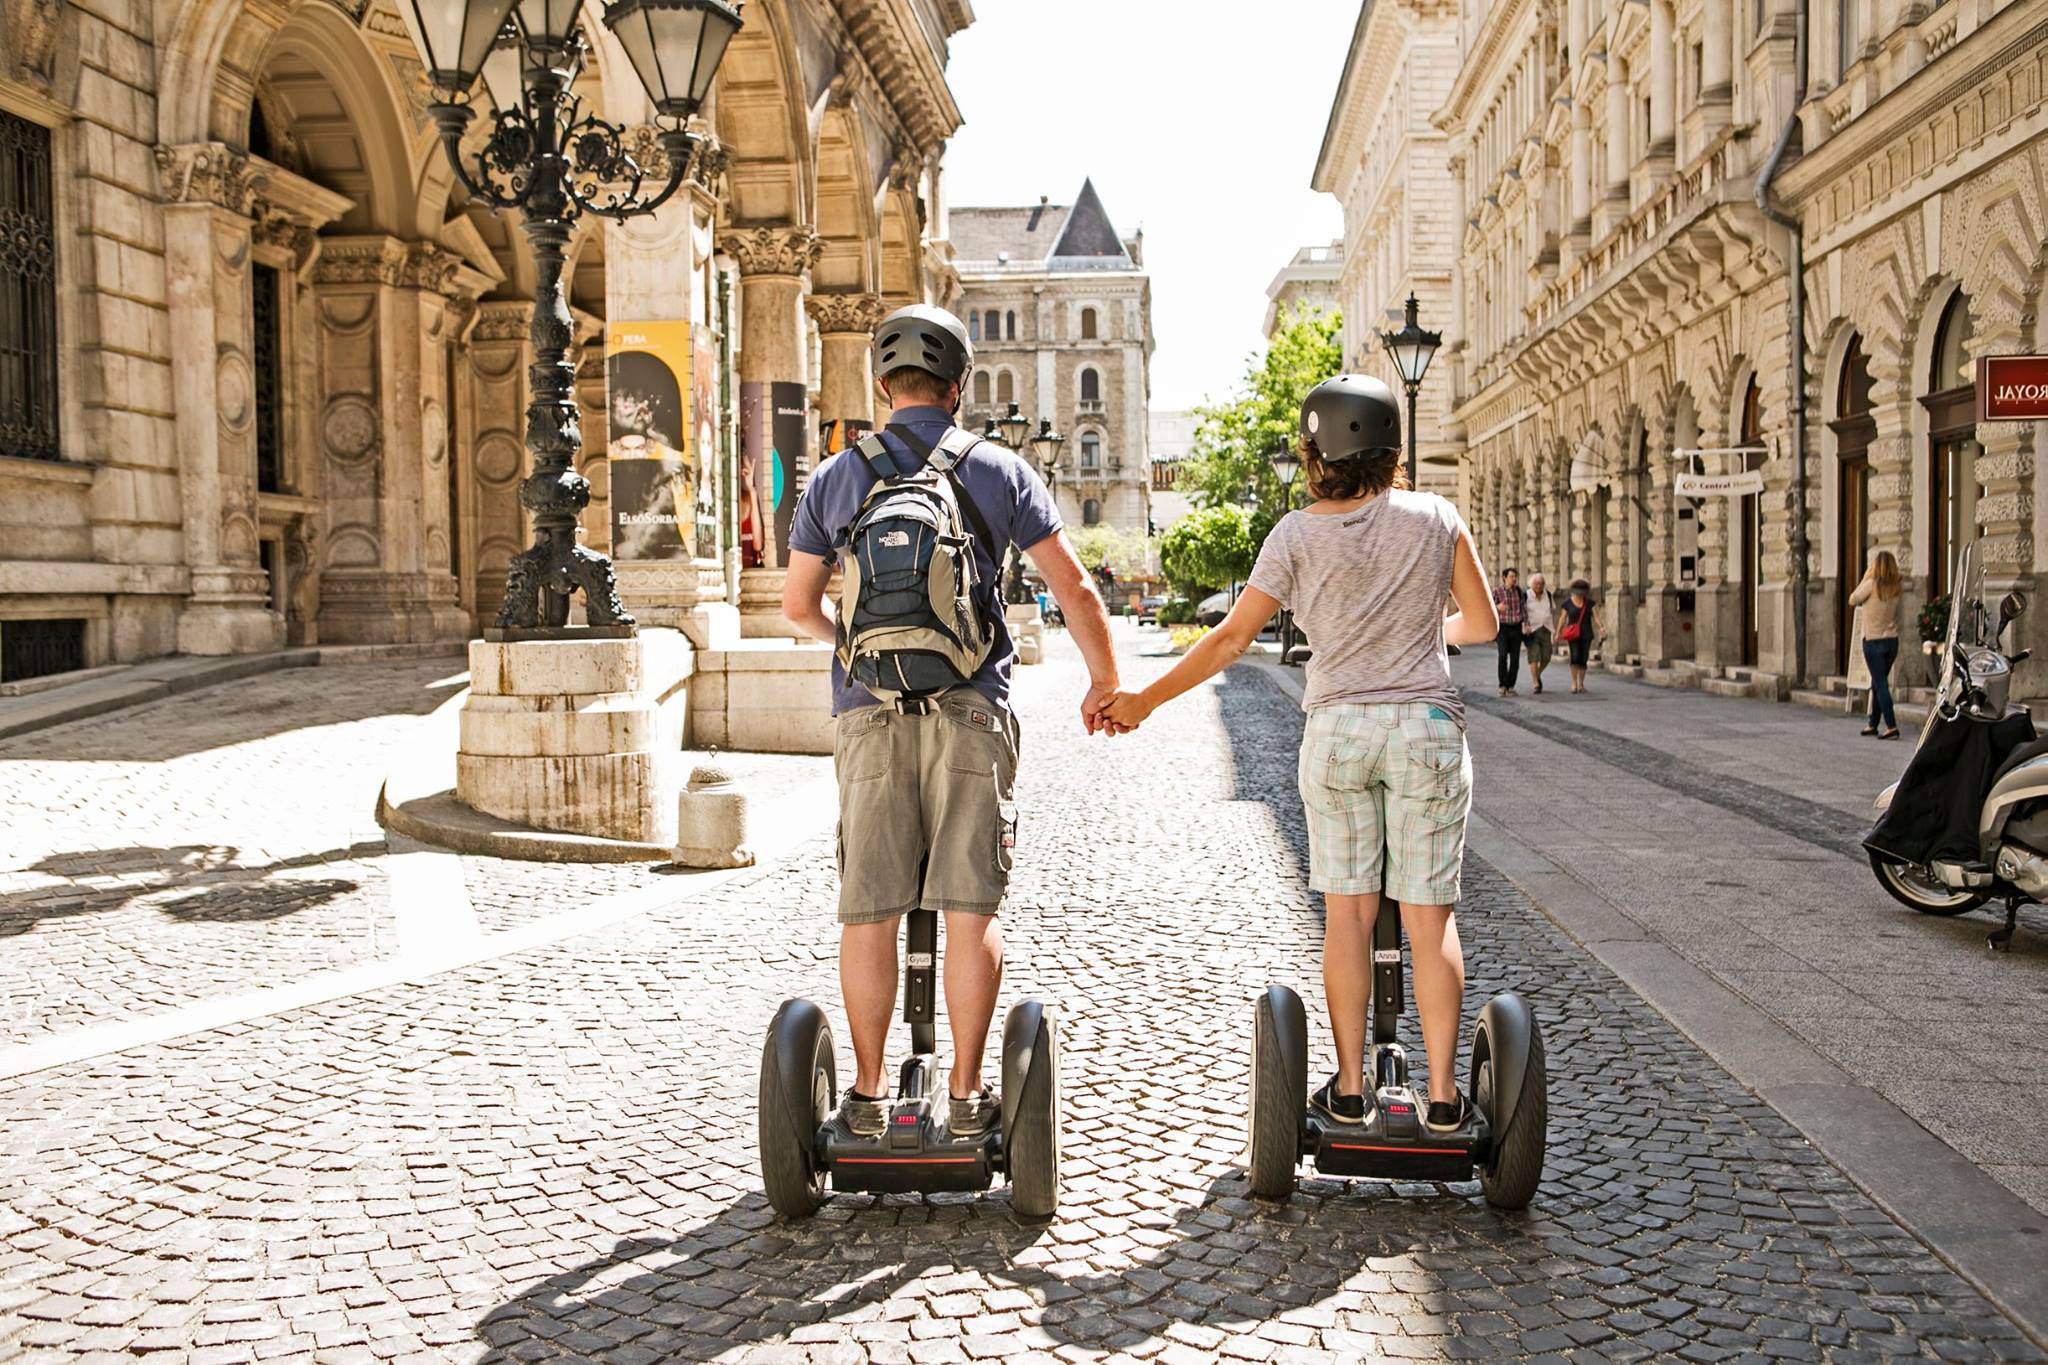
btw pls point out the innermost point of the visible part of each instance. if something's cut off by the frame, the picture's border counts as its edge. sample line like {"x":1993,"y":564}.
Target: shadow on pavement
{"x":189,"y":883}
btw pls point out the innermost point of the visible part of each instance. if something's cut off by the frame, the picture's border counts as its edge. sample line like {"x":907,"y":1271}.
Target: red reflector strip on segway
{"x":905,"y":1160}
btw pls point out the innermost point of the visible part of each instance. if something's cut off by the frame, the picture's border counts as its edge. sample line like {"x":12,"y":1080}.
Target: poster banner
{"x":654,"y":452}
{"x":835,"y":438}
{"x":775,"y":447}
{"x":759,"y":481}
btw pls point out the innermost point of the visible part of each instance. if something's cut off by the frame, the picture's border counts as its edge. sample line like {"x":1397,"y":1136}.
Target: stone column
{"x":846,"y":380}
{"x":210,"y":193}
{"x":1662,"y":628}
{"x":492,"y":458}
{"x":1617,"y":128}
{"x":1582,"y":170}
{"x":385,"y":327}
{"x":1717,"y":54}
{"x":1663,"y":80}
{"x":2005,"y":511}
{"x":774,"y":261}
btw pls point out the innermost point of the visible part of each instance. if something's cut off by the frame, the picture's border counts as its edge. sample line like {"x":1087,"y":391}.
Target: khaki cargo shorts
{"x":925,"y":810}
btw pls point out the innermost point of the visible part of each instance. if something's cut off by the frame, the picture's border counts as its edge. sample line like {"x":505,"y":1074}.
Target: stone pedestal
{"x":771,"y":696}
{"x":580,"y":736}
{"x":711,"y":821}
{"x":1027,"y":628}
{"x":761,"y":615}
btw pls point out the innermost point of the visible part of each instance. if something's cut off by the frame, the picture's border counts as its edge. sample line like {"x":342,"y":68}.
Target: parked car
{"x":1213,"y":608}
{"x":1148,"y":609}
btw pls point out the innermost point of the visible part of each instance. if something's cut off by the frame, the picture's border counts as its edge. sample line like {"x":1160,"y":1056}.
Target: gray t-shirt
{"x":1369,"y":589}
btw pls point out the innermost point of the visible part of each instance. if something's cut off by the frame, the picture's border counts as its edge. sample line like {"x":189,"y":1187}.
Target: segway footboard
{"x":912,"y":1157}
{"x":1393,"y":1147}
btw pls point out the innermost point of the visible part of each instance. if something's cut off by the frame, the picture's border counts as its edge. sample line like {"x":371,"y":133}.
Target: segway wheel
{"x":1031,"y":1131}
{"x":799,"y":1087}
{"x":1509,"y":1085}
{"x":1279,"y":1091}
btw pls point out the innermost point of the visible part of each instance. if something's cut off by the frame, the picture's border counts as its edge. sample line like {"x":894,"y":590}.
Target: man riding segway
{"x":920,"y":517}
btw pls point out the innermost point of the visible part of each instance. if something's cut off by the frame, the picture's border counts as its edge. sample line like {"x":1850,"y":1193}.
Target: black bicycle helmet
{"x":925,"y":338}
{"x":1351,"y":415}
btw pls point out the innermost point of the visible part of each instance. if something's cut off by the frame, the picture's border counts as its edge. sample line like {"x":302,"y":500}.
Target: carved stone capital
{"x":388,"y":261}
{"x":209,"y":173}
{"x":774,"y":249}
{"x":502,"y":320}
{"x":28,"y":35}
{"x":858,"y":313}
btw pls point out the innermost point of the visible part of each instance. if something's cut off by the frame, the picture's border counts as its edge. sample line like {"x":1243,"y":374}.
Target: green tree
{"x":1235,"y":439}
{"x":1127,"y":552}
{"x":1208,"y":548}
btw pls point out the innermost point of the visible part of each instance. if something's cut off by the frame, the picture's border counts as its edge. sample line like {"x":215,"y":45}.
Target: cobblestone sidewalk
{"x":552,"y":1156}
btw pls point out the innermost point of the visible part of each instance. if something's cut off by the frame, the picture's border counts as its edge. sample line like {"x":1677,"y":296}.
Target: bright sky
{"x":1199,"y":122}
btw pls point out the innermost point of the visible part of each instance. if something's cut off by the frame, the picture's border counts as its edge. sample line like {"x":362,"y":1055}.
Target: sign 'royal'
{"x":2012,"y":388}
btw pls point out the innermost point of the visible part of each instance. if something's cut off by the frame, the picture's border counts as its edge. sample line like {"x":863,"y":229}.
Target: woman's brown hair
{"x":1885,"y":570}
{"x":1361,"y":477}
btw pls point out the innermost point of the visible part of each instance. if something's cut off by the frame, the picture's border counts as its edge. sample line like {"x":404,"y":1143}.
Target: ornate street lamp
{"x":1412,"y":349}
{"x":1046,"y":446}
{"x":1016,"y":428}
{"x":1286,"y":464}
{"x":1013,"y":429}
{"x":553,"y":162}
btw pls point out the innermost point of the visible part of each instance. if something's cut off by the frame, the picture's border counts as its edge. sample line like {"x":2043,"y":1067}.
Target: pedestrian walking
{"x":1509,"y":604}
{"x":1539,"y":618}
{"x":1876,"y":600}
{"x":1385,"y":774}
{"x":1580,"y":624}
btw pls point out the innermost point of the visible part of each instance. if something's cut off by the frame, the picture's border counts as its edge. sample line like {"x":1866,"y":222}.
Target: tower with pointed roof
{"x":1060,"y":309}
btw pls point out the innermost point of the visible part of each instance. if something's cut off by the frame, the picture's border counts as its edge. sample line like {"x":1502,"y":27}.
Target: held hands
{"x":1107,"y":711}
{"x":1127,"y":711}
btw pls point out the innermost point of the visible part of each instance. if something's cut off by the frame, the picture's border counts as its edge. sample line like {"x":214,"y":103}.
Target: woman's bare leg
{"x":1439,"y":990}
{"x":1347,"y":981}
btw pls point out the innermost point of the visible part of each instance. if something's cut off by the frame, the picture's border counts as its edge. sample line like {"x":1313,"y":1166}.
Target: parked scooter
{"x":1968,"y":822}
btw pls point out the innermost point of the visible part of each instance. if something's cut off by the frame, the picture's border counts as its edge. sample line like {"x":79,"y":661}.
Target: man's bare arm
{"x":803,"y":596}
{"x":1087,"y":622}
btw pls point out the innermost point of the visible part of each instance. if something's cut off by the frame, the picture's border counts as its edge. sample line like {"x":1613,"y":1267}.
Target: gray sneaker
{"x":863,"y":1117}
{"x":972,"y":1118}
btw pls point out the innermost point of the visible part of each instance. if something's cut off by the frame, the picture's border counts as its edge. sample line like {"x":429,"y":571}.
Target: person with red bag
{"x":1577,"y":629}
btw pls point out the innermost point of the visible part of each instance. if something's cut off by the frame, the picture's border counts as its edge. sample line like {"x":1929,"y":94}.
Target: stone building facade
{"x":1388,"y":164}
{"x":1622,"y":297}
{"x":268,"y":384}
{"x":1311,"y":279}
{"x":1060,"y":309}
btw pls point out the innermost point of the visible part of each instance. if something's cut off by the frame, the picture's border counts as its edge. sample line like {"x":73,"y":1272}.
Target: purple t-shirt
{"x":1012,"y":499}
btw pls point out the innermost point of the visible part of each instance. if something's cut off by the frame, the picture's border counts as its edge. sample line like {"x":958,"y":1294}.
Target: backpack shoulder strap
{"x":877,"y":456}
{"x":950,"y":450}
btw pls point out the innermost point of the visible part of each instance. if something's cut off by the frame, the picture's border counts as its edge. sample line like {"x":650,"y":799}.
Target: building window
{"x":1855,"y":430}
{"x":1091,"y":513}
{"x":1091,"y":451}
{"x":1090,"y":325}
{"x":28,"y":293}
{"x":1010,"y":325}
{"x":1006,"y":387}
{"x":1952,"y":446}
{"x":268,"y":345}
{"x":1091,"y":386}
{"x":1847,"y":40}
{"x":36,"y":649}
{"x":974,"y":326}
{"x":981,"y":394}
{"x":992,"y":325}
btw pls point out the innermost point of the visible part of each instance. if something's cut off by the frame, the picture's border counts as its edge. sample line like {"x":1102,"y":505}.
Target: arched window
{"x":992,"y":325}
{"x":1088,"y":324}
{"x":1091,"y":513}
{"x":1010,"y":325}
{"x":974,"y":326}
{"x":1855,"y":429}
{"x":1847,"y":40}
{"x":1952,"y":445}
{"x":1091,"y":386}
{"x":1006,"y":387}
{"x":981,"y":386}
{"x":1091,"y":451}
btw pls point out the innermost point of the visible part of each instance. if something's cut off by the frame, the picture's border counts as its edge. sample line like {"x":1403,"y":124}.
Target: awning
{"x":1588,"y":470}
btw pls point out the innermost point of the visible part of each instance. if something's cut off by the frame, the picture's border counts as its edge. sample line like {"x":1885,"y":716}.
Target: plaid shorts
{"x":1387,"y":787}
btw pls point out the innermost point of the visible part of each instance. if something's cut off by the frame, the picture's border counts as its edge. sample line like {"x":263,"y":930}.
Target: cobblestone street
{"x":551,"y":1155}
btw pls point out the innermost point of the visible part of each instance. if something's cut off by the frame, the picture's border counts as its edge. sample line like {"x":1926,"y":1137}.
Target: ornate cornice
{"x":502,"y":321}
{"x":845,"y":313}
{"x":209,"y":173}
{"x":773,"y":249}
{"x":389,"y":261}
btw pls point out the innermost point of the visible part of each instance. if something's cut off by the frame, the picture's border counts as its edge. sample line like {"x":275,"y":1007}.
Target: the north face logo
{"x":895,"y":540}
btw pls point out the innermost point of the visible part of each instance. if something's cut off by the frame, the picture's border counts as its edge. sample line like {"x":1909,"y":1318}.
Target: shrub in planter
{"x":1177,"y":612}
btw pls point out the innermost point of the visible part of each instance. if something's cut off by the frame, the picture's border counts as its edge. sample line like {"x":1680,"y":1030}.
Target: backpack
{"x":909,"y":625}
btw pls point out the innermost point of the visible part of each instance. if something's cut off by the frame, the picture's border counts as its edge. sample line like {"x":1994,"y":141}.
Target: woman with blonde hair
{"x":1876,"y":600}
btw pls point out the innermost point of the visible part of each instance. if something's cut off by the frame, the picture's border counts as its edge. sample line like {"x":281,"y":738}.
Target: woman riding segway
{"x":1386,"y":782}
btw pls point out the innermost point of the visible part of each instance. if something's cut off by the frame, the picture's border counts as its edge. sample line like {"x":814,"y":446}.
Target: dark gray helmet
{"x":1351,"y":415}
{"x":925,"y":338}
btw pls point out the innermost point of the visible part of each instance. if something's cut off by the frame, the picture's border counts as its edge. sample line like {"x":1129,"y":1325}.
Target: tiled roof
{"x":1026,"y":234}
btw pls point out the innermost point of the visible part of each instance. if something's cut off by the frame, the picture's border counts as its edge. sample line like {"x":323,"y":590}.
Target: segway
{"x":1503,"y":1139}
{"x":804,"y":1146}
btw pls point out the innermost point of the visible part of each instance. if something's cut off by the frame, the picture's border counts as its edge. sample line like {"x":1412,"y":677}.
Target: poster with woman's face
{"x":653,"y":450}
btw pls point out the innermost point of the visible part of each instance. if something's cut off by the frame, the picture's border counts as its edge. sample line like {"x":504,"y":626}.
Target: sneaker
{"x":862,"y":1116}
{"x":1447,"y":1117}
{"x":973,"y":1117}
{"x":1345,"y":1109}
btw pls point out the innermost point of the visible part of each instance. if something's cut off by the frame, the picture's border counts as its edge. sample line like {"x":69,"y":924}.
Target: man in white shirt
{"x":1539,"y":616}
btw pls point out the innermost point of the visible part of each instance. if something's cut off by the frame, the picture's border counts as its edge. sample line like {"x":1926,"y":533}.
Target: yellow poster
{"x":656,"y":450}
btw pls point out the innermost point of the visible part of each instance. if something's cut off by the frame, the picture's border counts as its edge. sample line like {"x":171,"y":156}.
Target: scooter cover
{"x":1933,"y":815}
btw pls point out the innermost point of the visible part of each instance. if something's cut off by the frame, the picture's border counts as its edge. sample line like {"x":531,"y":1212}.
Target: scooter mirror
{"x":2013,"y":606}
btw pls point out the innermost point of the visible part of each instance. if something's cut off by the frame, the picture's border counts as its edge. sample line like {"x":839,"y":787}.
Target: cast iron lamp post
{"x":1411,"y":349}
{"x":553,"y":162}
{"x":1013,"y":429}
{"x":1286,"y":464}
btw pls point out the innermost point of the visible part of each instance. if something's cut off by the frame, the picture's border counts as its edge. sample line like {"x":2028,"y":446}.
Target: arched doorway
{"x":1855,"y":429}
{"x":1749,"y":547}
{"x":1952,"y":447}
